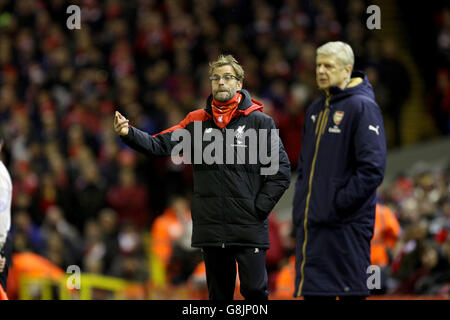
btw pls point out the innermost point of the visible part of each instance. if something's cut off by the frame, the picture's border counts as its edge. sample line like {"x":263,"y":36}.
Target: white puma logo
{"x":375,"y":129}
{"x":313,"y":117}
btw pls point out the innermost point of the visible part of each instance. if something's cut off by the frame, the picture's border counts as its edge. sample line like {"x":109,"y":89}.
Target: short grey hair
{"x":341,"y":50}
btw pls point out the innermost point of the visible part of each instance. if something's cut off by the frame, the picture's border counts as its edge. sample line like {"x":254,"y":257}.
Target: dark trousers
{"x":220,"y":266}
{"x":7,"y":253}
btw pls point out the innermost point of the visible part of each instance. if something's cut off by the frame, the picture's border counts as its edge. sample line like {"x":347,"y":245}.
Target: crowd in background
{"x":419,"y":261}
{"x":81,"y":197}
{"x":440,"y":93}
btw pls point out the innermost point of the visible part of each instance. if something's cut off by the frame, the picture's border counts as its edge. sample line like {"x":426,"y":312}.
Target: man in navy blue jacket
{"x":341,"y":164}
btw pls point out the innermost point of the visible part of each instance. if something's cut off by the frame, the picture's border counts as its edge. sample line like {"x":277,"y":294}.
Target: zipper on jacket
{"x":221,"y":172}
{"x":223,"y":130}
{"x":320,"y":129}
{"x":223,"y":206}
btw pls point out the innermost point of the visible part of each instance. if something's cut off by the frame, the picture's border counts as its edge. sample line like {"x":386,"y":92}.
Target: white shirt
{"x":5,"y":203}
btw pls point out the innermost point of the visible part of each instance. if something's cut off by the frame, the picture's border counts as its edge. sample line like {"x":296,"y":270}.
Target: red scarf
{"x":223,"y":112}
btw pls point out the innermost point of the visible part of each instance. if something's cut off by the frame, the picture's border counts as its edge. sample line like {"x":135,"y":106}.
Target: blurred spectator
{"x":108,"y":223}
{"x":62,"y":238}
{"x":394,"y":75}
{"x":440,"y":222}
{"x":94,"y":248}
{"x":89,"y":190}
{"x":423,"y":277}
{"x":197,"y":281}
{"x":170,"y":241}
{"x":380,"y":89}
{"x":47,"y":196}
{"x":285,"y":278}
{"x":184,"y":258}
{"x":26,"y":234}
{"x":443,"y":33}
{"x":435,"y":282}
{"x":275,"y":253}
{"x":440,"y":101}
{"x":56,"y":250}
{"x":284,"y":284}
{"x":130,"y":261}
{"x":386,"y":234}
{"x":290,"y":122}
{"x":32,"y":265}
{"x":130,"y":199}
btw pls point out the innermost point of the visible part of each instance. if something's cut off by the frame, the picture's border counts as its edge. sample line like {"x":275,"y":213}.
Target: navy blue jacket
{"x":341,"y":164}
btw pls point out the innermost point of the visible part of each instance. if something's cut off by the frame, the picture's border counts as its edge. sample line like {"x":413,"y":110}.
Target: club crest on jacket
{"x":338,"y":116}
{"x":240,"y":131}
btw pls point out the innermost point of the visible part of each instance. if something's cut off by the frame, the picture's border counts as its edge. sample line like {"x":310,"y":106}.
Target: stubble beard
{"x":222,"y":96}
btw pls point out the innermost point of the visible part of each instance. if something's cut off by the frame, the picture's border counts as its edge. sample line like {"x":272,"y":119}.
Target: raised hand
{"x":120,"y":124}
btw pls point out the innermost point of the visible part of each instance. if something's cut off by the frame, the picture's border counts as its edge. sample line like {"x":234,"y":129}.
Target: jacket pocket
{"x":240,"y":211}
{"x":262,"y":206}
{"x":206,"y":210}
{"x":322,"y":205}
{"x":261,"y":215}
{"x":338,"y":184}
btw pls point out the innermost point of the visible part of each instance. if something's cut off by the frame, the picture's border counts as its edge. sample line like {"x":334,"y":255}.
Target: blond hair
{"x":227,"y":60}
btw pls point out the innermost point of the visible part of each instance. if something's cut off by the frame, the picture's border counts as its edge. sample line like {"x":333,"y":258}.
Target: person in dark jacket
{"x":341,"y":164}
{"x":240,"y":172}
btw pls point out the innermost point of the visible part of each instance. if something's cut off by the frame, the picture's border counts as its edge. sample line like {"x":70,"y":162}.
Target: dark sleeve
{"x":159,"y":145}
{"x":370,"y":159}
{"x":277,"y":178}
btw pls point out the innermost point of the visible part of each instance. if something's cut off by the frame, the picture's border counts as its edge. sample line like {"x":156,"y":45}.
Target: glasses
{"x":226,"y":78}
